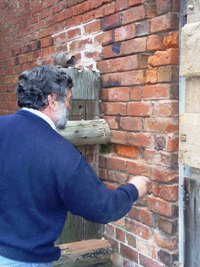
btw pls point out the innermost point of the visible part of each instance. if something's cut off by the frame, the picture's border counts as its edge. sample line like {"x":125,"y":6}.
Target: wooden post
{"x":86,"y":253}
{"x":87,"y":132}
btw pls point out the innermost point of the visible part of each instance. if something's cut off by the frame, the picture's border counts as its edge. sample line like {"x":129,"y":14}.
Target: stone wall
{"x":134,"y":45}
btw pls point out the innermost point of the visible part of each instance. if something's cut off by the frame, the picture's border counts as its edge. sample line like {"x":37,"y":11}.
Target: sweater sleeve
{"x":85,"y":195}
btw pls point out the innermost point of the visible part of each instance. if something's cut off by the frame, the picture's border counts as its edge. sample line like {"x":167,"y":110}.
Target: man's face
{"x":63,"y":109}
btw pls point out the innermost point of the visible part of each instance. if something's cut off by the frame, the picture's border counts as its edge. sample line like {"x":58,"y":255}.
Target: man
{"x":43,"y":176}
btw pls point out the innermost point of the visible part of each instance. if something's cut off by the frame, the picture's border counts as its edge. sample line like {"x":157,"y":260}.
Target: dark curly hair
{"x":35,"y":85}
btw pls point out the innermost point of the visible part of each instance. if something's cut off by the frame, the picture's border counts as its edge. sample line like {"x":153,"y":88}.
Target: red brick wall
{"x":134,"y":44}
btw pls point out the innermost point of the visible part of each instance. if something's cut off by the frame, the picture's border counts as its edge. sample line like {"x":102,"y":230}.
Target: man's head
{"x":48,"y":89}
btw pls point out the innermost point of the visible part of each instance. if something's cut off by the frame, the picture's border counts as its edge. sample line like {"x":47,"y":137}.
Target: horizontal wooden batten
{"x":87,"y":132}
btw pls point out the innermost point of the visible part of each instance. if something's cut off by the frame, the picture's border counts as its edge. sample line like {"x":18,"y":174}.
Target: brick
{"x":133,"y":46}
{"x":169,"y":226}
{"x":124,"y":32}
{"x":171,"y":40}
{"x":130,"y":123}
{"x":148,"y":262}
{"x":166,"y":242}
{"x":138,"y":109}
{"x":138,"y":229}
{"x":159,"y":142}
{"x":161,"y":125}
{"x":92,"y":27}
{"x":118,"y":64}
{"x":167,"y":192}
{"x":120,"y":5}
{"x":152,"y":76}
{"x":164,"y":22}
{"x":127,"y":151}
{"x":81,"y":8}
{"x":80,"y":44}
{"x":135,"y":167}
{"x":116,"y":163}
{"x":73,"y":33}
{"x":172,"y":143}
{"x":128,"y":253}
{"x":131,"y":240}
{"x":111,"y":51}
{"x":46,"y":42}
{"x":142,"y":215}
{"x":115,"y":94}
{"x":155,"y":42}
{"x":120,"y":235}
{"x":133,"y":14}
{"x":134,"y":2}
{"x":118,"y":177}
{"x":161,"y":206}
{"x":157,"y":91}
{"x":168,"y":74}
{"x":168,"y":57}
{"x":164,"y":6}
{"x":36,"y":45}
{"x":113,"y":108}
{"x":112,"y":122}
{"x":164,"y":174}
{"x":136,"y":93}
{"x":109,"y":9}
{"x":104,"y":38}
{"x":150,"y":9}
{"x":168,"y":258}
{"x":142,"y":28}
{"x":139,"y":139}
{"x":109,"y":231}
{"x":166,"y":109}
{"x":111,"y":21}
{"x":118,"y":137}
{"x":123,"y":78}
{"x":16,"y":52}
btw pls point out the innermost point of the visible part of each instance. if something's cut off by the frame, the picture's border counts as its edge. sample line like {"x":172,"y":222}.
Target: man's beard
{"x":62,"y":116}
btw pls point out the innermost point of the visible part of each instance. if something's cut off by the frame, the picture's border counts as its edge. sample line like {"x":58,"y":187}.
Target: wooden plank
{"x":189,"y":142}
{"x":85,"y":253}
{"x":88,"y":132}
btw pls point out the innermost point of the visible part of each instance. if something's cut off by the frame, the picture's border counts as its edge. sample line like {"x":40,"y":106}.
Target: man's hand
{"x":141,"y":183}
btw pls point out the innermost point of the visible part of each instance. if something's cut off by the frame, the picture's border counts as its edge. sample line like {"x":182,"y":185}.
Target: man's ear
{"x":51,"y":102}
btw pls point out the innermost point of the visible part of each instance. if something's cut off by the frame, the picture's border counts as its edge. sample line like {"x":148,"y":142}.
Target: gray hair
{"x":35,"y":85}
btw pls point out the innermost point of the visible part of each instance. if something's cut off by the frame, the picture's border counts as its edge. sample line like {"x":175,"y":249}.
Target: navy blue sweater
{"x":42,"y":176}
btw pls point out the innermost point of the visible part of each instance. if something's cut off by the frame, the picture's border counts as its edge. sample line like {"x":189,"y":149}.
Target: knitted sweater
{"x":42,"y":177}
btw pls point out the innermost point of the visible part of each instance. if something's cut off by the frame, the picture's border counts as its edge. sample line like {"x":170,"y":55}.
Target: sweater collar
{"x":41,"y":115}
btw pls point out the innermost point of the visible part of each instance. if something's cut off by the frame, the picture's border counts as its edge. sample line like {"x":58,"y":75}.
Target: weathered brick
{"x":164,"y":22}
{"x":116,"y":163}
{"x":127,"y":151}
{"x":113,"y":108}
{"x":136,"y":93}
{"x":148,"y":262}
{"x":46,"y":42}
{"x":168,"y":258}
{"x":139,"y":139}
{"x":167,"y":109}
{"x":168,"y":57}
{"x":142,"y":28}
{"x":131,"y":240}
{"x":120,"y":235}
{"x":138,"y":109}
{"x":120,"y":5}
{"x":81,"y":8}
{"x":168,"y":74}
{"x":118,"y":177}
{"x":133,"y":46}
{"x":73,"y":33}
{"x":157,"y":91}
{"x":111,"y":21}
{"x":118,"y":137}
{"x":124,"y":32}
{"x":109,"y":9}
{"x":112,"y":122}
{"x":128,"y":253}
{"x":167,"y":192}
{"x":155,"y":42}
{"x":115,"y":94}
{"x":138,"y":229}
{"x":109,"y":231}
{"x":164,"y":174}
{"x":150,"y":9}
{"x":135,"y":167}
{"x":142,"y":215}
{"x":104,"y":38}
{"x":164,"y":6}
{"x":80,"y":44}
{"x":123,"y":78}
{"x":130,"y":123}
{"x":92,"y":27}
{"x":161,"y":125}
{"x":172,"y":143}
{"x":133,"y":14}
{"x":152,"y":76}
{"x":166,"y":242}
{"x":171,"y":40}
{"x":169,"y":226}
{"x":161,"y":206}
